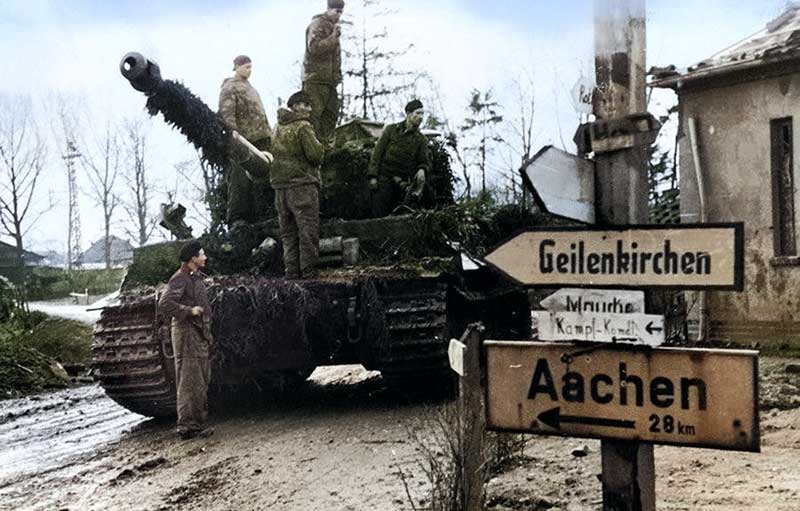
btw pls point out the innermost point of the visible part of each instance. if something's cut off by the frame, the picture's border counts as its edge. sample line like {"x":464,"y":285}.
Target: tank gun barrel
{"x":192,"y":117}
{"x":143,"y":74}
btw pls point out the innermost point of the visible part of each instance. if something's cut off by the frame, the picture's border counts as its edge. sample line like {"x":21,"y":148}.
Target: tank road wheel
{"x":131,"y":361}
{"x":412,"y":354}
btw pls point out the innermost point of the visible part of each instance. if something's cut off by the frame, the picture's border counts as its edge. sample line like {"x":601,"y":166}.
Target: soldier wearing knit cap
{"x":296,"y":179}
{"x":241,"y":109}
{"x":184,"y":304}
{"x":399,"y":163}
{"x":322,"y":68}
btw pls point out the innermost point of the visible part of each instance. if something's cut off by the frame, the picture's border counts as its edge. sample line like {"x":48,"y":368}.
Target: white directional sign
{"x":594,"y":300}
{"x":581,"y":95}
{"x":562,"y":183}
{"x":678,"y":396}
{"x":455,"y":353}
{"x":646,"y":329}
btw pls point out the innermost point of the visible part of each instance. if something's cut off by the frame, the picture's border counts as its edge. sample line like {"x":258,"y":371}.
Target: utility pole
{"x":74,"y":229}
{"x":621,"y":189}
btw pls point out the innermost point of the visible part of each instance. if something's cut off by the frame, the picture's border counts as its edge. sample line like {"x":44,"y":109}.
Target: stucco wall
{"x":733,"y":125}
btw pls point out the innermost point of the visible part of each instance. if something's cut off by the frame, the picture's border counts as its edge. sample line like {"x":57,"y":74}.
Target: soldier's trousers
{"x":247,"y":201}
{"x":298,"y":218}
{"x":324,"y":100}
{"x":192,"y":374}
{"x":240,"y":194}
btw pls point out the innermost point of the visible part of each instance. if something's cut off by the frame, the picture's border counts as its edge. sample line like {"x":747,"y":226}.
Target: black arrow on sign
{"x":650,"y":328}
{"x":554,"y":419}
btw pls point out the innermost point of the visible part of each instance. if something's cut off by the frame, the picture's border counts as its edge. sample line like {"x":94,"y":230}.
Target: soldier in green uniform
{"x":400,"y":163}
{"x":295,"y":176}
{"x":241,"y":109}
{"x":322,"y":68}
{"x":185,"y":304}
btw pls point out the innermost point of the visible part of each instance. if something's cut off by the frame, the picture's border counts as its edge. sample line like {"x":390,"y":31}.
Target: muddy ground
{"x":341,"y":443}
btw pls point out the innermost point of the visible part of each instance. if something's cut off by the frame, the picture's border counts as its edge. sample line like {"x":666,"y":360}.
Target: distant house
{"x":736,"y":143}
{"x":8,"y":256}
{"x":95,"y":255}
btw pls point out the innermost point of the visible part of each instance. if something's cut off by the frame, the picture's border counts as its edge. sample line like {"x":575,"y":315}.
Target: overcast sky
{"x":74,"y":47}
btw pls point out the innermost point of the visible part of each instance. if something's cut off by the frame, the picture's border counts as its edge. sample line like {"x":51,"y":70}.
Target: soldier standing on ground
{"x":185,"y":304}
{"x":295,"y":176}
{"x":400,"y":163}
{"x":241,"y":109}
{"x":322,"y":68}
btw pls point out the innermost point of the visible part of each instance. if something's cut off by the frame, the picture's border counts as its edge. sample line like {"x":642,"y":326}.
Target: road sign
{"x":581,"y":95}
{"x":455,"y":353}
{"x":695,"y":256}
{"x":680,"y":396}
{"x":645,"y":329}
{"x":594,"y":300}
{"x":561,"y":183}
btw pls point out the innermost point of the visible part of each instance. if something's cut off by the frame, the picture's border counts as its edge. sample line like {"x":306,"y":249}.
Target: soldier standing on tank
{"x":241,"y":109}
{"x":295,"y":176}
{"x":185,"y":304}
{"x":322,"y":68}
{"x":400,"y":163}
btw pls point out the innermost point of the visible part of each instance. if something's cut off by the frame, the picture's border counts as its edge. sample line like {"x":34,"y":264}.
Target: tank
{"x":390,"y":294}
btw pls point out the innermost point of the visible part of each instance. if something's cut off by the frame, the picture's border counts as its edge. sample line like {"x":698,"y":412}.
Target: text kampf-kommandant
{"x":624,"y":260}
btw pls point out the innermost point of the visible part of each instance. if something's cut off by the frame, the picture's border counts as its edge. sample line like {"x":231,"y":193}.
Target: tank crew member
{"x":399,"y":163}
{"x":185,"y":304}
{"x":241,"y":109}
{"x":295,"y":176}
{"x":322,"y":68}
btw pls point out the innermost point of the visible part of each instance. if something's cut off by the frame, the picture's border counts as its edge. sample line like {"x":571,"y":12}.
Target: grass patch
{"x":45,"y":283}
{"x":65,"y":340}
{"x":29,"y":346}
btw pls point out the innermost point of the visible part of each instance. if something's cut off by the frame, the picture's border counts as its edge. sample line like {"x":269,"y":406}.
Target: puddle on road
{"x":45,"y":432}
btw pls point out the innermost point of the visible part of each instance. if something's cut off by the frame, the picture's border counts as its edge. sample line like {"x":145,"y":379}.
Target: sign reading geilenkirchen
{"x":680,"y":396}
{"x":686,"y":256}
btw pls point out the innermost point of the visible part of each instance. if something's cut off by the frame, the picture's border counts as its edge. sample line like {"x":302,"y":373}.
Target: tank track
{"x":413,"y":351}
{"x":131,"y":362}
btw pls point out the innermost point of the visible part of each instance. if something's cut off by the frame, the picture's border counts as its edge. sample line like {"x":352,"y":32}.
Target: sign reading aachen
{"x":687,"y":256}
{"x":694,"y":397}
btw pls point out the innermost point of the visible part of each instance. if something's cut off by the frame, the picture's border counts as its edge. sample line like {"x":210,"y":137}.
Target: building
{"x":8,"y":256}
{"x":738,"y":112}
{"x":95,"y":255}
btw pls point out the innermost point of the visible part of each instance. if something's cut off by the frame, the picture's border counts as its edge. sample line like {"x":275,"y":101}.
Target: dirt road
{"x":340,"y":444}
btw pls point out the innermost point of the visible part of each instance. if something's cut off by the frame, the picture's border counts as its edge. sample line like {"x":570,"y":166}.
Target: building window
{"x":783,"y":187}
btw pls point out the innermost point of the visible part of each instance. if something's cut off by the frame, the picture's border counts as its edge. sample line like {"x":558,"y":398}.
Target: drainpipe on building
{"x":701,"y":192}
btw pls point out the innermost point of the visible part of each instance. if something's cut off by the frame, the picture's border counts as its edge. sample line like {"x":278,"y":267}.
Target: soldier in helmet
{"x":322,"y":68}
{"x":295,"y":176}
{"x":400,"y":163}
{"x":241,"y":109}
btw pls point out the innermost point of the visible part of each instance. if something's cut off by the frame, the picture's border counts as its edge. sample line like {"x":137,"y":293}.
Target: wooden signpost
{"x":677,"y":396}
{"x":696,"y":256}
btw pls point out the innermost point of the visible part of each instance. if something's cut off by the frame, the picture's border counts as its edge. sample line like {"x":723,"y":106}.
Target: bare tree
{"x":137,"y":201}
{"x":206,"y":189}
{"x":481,"y":125}
{"x":22,"y":158}
{"x":519,"y":136}
{"x":370,"y":65}
{"x":102,"y":166}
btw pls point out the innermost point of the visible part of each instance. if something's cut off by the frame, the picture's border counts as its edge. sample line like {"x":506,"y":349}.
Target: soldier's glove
{"x":419,"y":184}
{"x":268,"y":156}
{"x":373,"y":184}
{"x":397,"y":180}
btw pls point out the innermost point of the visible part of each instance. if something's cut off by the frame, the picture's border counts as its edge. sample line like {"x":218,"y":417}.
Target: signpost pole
{"x":621,"y":187}
{"x":472,"y":419}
